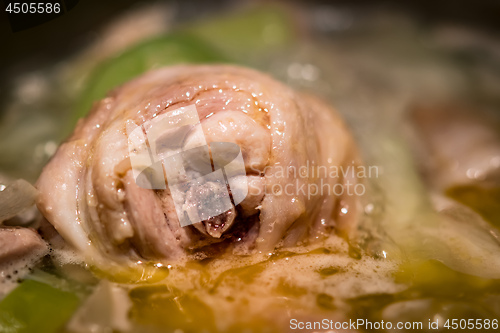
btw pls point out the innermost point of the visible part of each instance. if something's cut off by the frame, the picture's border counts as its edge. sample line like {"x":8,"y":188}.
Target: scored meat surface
{"x":92,"y":196}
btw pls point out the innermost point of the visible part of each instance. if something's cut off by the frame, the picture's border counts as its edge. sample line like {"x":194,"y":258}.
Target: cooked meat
{"x":20,"y":250}
{"x":460,"y":146}
{"x":19,"y":244}
{"x":93,"y":193}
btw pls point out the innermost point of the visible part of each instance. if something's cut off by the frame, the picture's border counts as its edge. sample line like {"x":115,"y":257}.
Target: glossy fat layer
{"x":89,"y":195}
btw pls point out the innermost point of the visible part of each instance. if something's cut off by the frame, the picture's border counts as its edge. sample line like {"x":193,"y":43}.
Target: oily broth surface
{"x":266,"y":291}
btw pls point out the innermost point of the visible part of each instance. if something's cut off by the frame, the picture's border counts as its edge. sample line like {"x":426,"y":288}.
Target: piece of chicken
{"x":93,"y":193}
{"x":20,"y":250}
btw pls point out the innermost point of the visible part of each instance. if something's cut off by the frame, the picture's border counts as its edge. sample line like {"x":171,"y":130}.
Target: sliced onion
{"x":463,"y":241}
{"x":15,"y":198}
{"x":433,"y":228}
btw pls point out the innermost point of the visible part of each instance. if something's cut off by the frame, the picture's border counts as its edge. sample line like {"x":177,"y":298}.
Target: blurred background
{"x":56,"y":39}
